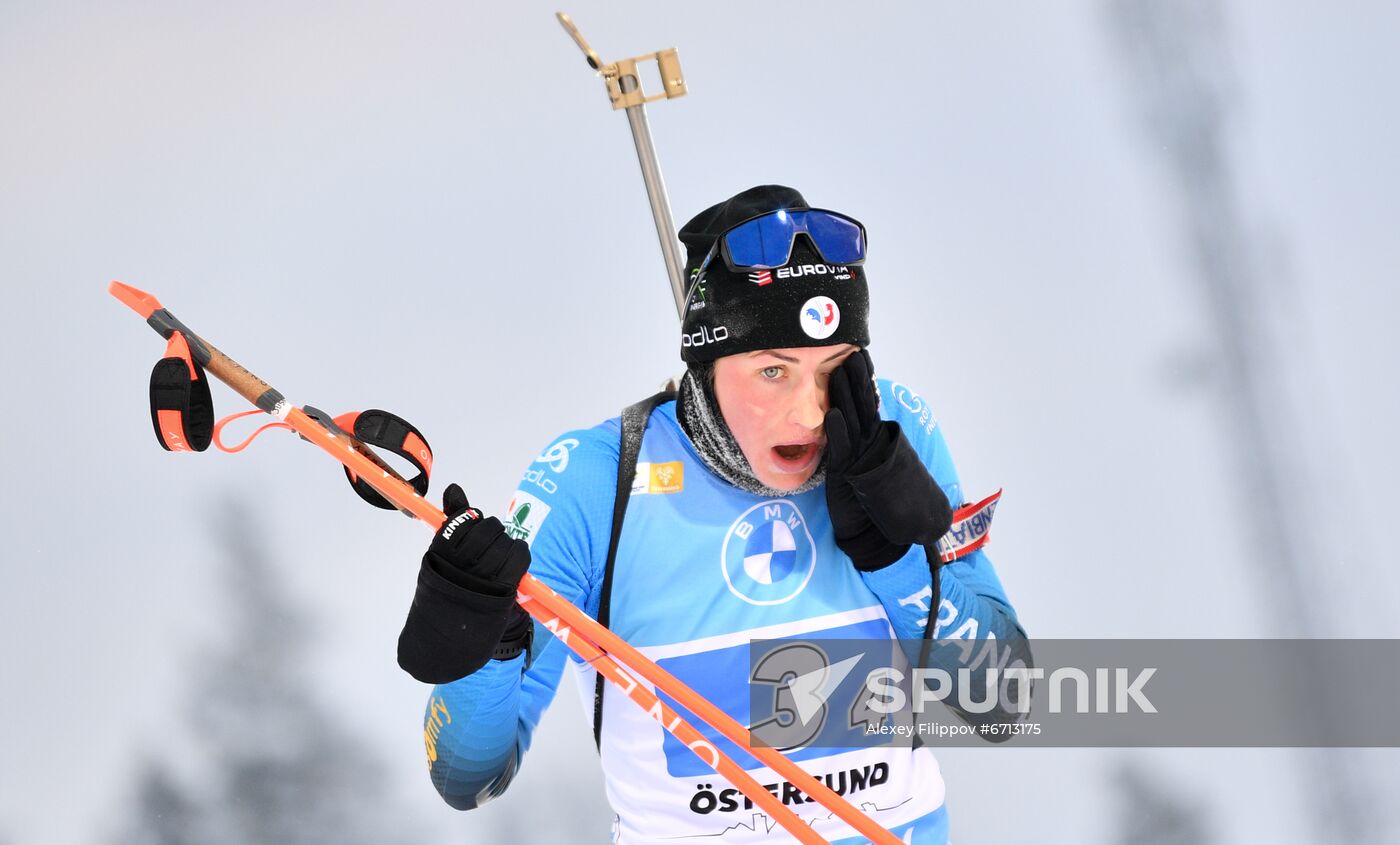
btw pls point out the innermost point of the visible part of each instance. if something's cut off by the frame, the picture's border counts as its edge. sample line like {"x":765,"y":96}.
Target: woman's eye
{"x":771,"y":372}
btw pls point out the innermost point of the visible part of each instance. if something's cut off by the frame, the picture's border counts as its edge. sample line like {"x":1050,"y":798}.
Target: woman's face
{"x":774,"y":402}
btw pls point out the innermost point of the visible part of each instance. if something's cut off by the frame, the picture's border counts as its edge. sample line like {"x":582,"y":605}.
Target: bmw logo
{"x":768,"y":555}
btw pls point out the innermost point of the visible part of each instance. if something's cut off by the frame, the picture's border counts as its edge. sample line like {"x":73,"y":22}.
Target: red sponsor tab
{"x":971,"y":529}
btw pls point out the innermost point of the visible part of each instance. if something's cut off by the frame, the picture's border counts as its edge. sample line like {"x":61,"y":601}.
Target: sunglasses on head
{"x":765,"y":242}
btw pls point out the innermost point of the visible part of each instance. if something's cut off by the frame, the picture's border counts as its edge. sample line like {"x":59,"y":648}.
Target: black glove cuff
{"x":519,"y":636}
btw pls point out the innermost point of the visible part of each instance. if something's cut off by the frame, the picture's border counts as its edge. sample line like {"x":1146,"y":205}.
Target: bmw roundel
{"x":768,"y":555}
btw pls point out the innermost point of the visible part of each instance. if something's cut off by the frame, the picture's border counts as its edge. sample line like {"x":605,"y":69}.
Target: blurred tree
{"x":1179,"y":60}
{"x":275,"y":767}
{"x":1152,"y":814}
{"x":164,"y":814}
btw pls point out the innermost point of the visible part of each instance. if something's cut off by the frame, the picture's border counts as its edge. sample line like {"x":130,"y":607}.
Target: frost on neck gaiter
{"x":700,"y":418}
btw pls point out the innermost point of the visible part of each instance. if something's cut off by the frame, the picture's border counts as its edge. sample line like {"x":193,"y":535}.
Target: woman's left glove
{"x":464,"y":611}
{"x":881,"y":498}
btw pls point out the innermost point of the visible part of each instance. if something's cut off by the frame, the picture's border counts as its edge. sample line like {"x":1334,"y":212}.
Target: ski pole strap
{"x":388,"y":431}
{"x":182,"y":410}
{"x":219,"y":431}
{"x":971,"y":529}
{"x":634,"y":426}
{"x":373,"y":427}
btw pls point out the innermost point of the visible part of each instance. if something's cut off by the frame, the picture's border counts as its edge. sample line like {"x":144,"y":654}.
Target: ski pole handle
{"x":228,"y":371}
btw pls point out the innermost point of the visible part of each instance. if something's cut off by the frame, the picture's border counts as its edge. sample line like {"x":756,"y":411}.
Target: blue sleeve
{"x":973,"y":604}
{"x":477,"y":729}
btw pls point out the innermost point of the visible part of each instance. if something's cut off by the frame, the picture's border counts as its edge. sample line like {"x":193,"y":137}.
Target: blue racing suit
{"x":702,"y":568}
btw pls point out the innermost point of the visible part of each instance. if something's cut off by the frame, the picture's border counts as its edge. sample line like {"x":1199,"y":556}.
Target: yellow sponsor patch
{"x":667,"y":477}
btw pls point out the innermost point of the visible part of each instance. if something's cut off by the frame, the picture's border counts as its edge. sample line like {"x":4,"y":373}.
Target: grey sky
{"x":376,"y":205}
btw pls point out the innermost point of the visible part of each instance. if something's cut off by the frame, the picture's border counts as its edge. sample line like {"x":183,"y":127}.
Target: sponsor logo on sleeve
{"x":438,"y":716}
{"x":914,"y":404}
{"x":540,"y":478}
{"x":557,"y":456}
{"x":525,"y":515}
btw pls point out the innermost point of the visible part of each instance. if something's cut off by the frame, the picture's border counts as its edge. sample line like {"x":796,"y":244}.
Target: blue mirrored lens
{"x":767,"y":241}
{"x":840,"y":241}
{"x":762,"y":242}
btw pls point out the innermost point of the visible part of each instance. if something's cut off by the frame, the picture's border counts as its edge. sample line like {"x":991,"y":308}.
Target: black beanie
{"x":807,"y":302}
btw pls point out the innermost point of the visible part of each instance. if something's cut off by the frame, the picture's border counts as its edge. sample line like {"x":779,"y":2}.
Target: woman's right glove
{"x":464,"y":611}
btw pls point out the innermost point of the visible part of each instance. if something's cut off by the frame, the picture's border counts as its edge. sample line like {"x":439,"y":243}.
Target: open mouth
{"x":794,"y":457}
{"x":793,"y":452}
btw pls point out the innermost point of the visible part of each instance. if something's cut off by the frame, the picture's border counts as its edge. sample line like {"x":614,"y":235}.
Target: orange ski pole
{"x":594,"y":643}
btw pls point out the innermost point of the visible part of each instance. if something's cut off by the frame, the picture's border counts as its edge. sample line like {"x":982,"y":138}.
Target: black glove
{"x":881,"y":497}
{"x":465,"y":604}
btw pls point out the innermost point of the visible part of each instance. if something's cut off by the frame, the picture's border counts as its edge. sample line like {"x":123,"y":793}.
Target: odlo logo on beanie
{"x":820,"y":317}
{"x":704,"y":335}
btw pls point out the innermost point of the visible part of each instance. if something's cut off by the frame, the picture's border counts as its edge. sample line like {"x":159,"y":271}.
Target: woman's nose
{"x":809,"y":407}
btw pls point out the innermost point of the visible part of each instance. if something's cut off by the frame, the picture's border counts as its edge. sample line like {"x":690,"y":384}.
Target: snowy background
{"x":428,"y":207}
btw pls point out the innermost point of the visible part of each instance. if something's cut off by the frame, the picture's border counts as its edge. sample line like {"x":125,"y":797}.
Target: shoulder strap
{"x":634,"y":425}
